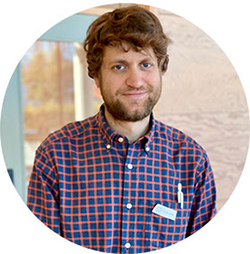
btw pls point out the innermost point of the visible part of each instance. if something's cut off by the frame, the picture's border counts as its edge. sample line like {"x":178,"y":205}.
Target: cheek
{"x":112,"y":83}
{"x":155,"y":81}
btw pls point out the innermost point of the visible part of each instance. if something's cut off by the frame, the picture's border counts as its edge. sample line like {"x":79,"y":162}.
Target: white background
{"x":226,"y":22}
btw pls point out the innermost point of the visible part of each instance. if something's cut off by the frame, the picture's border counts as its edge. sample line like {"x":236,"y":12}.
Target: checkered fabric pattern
{"x":95,"y":189}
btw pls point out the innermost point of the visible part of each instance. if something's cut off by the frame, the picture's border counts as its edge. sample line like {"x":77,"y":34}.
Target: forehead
{"x":126,"y":51}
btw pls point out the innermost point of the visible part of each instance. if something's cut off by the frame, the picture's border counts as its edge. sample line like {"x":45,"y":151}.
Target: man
{"x":121,"y":181}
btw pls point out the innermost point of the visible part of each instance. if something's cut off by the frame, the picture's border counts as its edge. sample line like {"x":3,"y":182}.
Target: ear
{"x":97,"y":82}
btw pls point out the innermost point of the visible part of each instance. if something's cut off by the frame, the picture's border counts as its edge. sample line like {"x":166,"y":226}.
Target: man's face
{"x":130,"y":82}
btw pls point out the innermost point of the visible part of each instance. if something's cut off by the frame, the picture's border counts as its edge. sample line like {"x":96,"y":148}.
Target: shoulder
{"x":73,"y":130}
{"x":177,"y":138}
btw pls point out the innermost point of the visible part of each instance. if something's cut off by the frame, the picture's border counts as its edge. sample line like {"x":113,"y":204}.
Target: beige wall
{"x":202,"y":96}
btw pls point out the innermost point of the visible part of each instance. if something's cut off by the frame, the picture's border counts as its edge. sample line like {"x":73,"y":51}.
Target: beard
{"x":136,"y":110}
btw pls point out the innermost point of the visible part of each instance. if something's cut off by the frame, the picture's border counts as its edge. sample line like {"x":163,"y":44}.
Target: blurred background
{"x":202,"y":96}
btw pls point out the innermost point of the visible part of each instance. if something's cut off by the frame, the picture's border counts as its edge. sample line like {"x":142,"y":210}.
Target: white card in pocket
{"x":165,"y":212}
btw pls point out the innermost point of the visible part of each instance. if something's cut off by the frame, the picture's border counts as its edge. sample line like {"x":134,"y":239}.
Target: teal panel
{"x":71,"y":29}
{"x":12,"y":138}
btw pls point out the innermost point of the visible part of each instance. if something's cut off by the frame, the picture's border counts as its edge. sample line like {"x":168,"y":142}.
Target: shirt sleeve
{"x":204,"y":202}
{"x":43,"y":195}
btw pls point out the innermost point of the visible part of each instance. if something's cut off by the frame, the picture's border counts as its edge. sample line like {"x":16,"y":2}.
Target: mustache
{"x":131,"y":89}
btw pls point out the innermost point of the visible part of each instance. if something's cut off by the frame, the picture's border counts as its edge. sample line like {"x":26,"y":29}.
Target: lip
{"x":135,"y":95}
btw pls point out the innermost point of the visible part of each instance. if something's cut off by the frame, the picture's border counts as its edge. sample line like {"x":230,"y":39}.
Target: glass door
{"x":49,"y":88}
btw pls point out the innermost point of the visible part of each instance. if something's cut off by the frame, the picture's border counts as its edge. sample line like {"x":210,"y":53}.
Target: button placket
{"x":127,"y":205}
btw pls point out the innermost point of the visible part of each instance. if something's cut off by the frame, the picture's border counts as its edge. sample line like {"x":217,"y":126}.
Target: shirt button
{"x":127,"y":245}
{"x":129,"y":205}
{"x":108,"y":146}
{"x":130,"y":166}
{"x":120,"y":139}
{"x":147,"y":148}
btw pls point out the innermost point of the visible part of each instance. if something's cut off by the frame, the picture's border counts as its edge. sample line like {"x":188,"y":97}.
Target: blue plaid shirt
{"x":95,"y":189}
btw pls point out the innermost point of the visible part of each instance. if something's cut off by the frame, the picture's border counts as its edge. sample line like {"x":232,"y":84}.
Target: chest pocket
{"x":166,"y":231}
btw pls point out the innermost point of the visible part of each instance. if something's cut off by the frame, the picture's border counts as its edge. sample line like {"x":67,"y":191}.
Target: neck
{"x":132,"y":130}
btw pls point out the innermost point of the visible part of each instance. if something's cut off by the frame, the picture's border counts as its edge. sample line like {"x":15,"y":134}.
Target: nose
{"x":134,"y":78}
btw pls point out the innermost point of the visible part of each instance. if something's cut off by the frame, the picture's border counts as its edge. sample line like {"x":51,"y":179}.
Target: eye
{"x":146,"y":65}
{"x":119,"y":67}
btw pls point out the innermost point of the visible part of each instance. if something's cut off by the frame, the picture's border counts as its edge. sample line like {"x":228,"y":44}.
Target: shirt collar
{"x":112,"y":136}
{"x":109,"y":134}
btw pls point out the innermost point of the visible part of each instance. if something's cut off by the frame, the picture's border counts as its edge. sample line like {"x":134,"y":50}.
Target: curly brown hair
{"x":135,"y":25}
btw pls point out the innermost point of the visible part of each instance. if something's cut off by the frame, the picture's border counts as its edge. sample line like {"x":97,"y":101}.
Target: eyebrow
{"x":118,"y":61}
{"x":122,"y":61}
